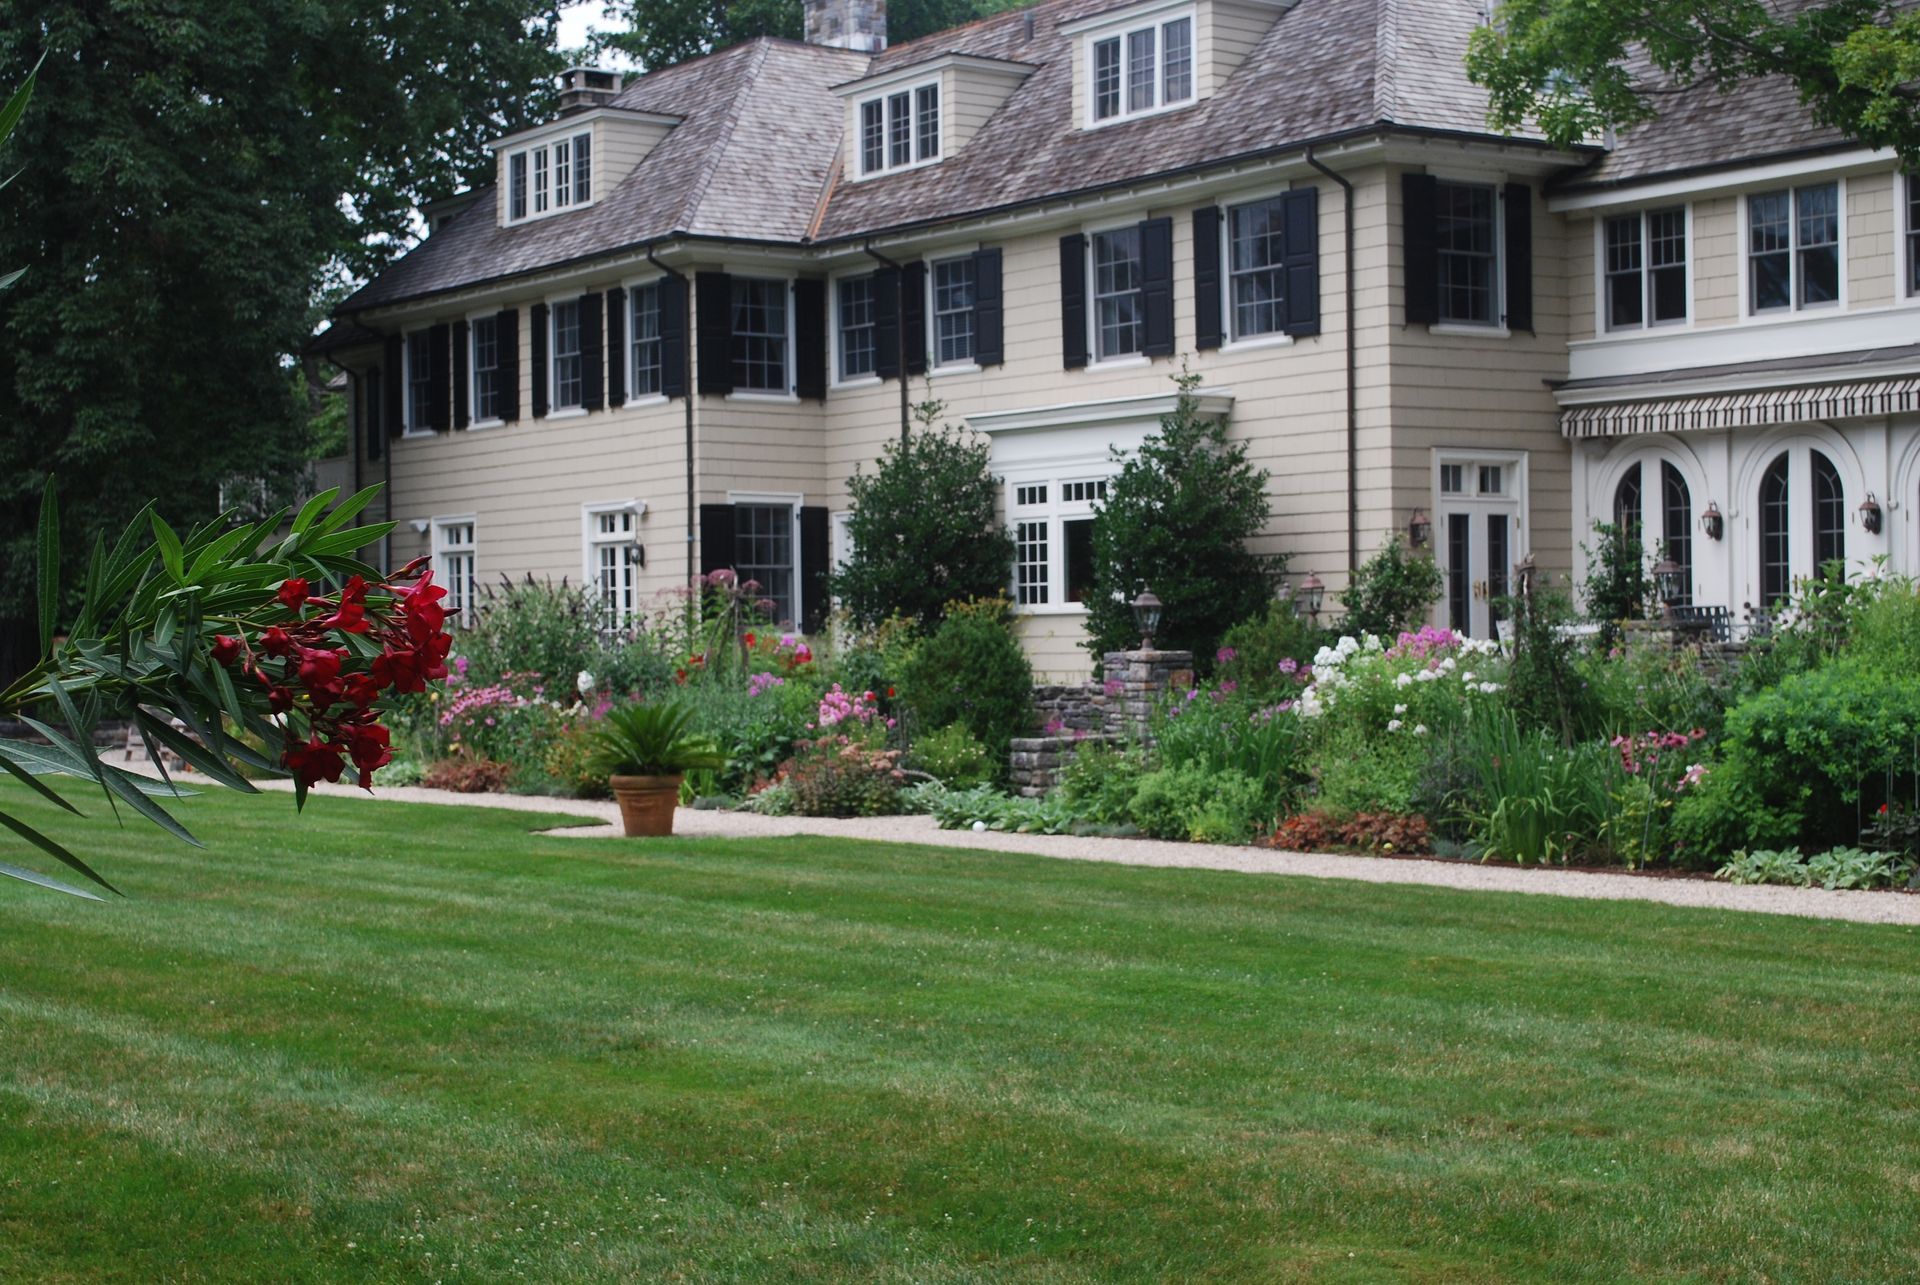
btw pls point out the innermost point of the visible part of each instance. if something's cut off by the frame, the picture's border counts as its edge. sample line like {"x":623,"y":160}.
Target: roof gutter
{"x":1353,"y":372}
{"x":686,"y":378}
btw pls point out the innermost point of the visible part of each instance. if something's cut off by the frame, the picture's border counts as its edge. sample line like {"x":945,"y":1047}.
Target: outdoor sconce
{"x":1146,"y":614}
{"x":637,"y":555}
{"x":1712,"y":523}
{"x":1419,"y":529}
{"x":1870,"y":514}
{"x":1312,"y":594}
{"x":1669,"y":579}
{"x":1523,"y":574}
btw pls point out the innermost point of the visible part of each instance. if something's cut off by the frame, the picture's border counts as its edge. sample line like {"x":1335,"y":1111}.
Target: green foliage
{"x":1357,"y":771}
{"x":651,"y":740}
{"x":569,"y":764}
{"x":1579,"y":68}
{"x":1099,"y":781}
{"x":1637,"y":688}
{"x":1177,"y":519}
{"x":757,"y":728}
{"x":954,"y":756}
{"x":1885,"y":629}
{"x":1191,"y":802}
{"x":1544,"y":687}
{"x":660,"y":33}
{"x":912,"y":555}
{"x":840,"y":776}
{"x":1218,"y":729}
{"x":972,"y":671}
{"x":1251,"y":653}
{"x":987,"y":808}
{"x":1391,"y":592}
{"x":1618,"y":586}
{"x":1843,"y":867}
{"x":1538,"y":800}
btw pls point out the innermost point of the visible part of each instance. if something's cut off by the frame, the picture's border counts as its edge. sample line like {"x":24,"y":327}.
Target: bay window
{"x":1052,"y":524}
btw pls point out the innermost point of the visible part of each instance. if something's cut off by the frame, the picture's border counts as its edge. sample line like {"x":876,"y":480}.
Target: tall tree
{"x":663,"y":32}
{"x":195,"y":176}
{"x":1580,"y":66}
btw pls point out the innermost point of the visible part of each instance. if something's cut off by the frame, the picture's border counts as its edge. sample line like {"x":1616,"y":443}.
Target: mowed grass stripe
{"x":853,"y":1061}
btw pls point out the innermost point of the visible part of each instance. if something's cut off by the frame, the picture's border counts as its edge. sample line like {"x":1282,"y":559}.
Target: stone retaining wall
{"x":1034,"y":762}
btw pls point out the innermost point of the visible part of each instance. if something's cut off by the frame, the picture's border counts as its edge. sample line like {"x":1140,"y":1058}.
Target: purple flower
{"x":1225,"y":655}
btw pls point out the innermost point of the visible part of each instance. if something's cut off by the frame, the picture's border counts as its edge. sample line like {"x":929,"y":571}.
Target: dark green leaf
{"x":45,"y":881}
{"x":34,"y":783}
{"x":313,"y":509}
{"x":169,"y":543}
{"x":53,"y":850}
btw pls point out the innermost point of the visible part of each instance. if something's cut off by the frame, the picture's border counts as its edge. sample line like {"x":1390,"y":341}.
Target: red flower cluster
{"x":309,"y":675}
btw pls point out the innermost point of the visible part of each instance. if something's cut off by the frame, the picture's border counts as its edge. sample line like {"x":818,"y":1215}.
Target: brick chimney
{"x":847,"y":24}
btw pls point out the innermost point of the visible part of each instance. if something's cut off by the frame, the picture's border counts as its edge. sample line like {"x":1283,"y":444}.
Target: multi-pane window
{"x":1453,"y":479}
{"x":1492,"y":479}
{"x":646,"y":377}
{"x":859,"y":348}
{"x":1052,"y":523}
{"x":1258,"y":280}
{"x":1143,"y":70}
{"x":953,"y":311}
{"x":1030,"y":563}
{"x":900,"y":129}
{"x":610,"y":545}
{"x":760,"y":334}
{"x":1118,"y":308}
{"x":763,"y":553}
{"x":1646,"y":268}
{"x":562,"y":177}
{"x":453,"y":559}
{"x":1829,"y":513}
{"x":1913,"y":234}
{"x":419,"y":382}
{"x":1776,"y":577}
{"x":1465,"y":246}
{"x":569,"y":387}
{"x":1793,"y":248}
{"x":1676,"y":526}
{"x":484,"y":334}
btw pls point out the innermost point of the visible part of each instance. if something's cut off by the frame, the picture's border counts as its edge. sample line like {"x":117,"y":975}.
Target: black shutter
{"x":1073,"y":300}
{"x":989,"y":316}
{"x":1207,"y":313}
{"x":506,"y":337}
{"x":673,"y":336}
{"x":810,"y":337}
{"x":392,"y":416}
{"x":1156,"y":287}
{"x":1422,"y":268}
{"x":593,"y":388}
{"x":886,"y":323}
{"x":813,"y":568}
{"x":913,"y":315}
{"x":1300,"y":257}
{"x":537,"y":319}
{"x":374,"y":403}
{"x":716,"y":538}
{"x":460,"y":380}
{"x":713,"y":331}
{"x":617,"y":347}
{"x":439,"y":400}
{"x":1518,"y":202}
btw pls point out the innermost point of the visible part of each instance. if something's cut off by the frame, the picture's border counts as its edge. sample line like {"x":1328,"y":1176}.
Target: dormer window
{"x":1141,"y":70}
{"x":900,"y":129}
{"x":550,"y":177}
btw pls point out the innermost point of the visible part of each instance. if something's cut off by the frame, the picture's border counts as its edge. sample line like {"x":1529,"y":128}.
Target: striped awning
{"x":1856,"y":400}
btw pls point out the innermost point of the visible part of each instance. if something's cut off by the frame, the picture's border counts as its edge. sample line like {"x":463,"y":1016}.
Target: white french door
{"x":1477,"y":538}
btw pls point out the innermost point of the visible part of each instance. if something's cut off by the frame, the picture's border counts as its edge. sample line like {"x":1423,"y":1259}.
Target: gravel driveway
{"x":1815,"y":903}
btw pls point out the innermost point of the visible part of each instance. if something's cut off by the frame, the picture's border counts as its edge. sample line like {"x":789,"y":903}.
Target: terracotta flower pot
{"x":646,"y":803}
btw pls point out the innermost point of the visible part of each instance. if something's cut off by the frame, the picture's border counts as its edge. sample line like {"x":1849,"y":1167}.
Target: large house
{"x":692,"y":305}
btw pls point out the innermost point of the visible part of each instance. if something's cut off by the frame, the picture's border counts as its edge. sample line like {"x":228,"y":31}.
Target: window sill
{"x":855,"y":384}
{"x":418,"y":435}
{"x":568,"y":412}
{"x":643,"y":401}
{"x":1130,"y":361}
{"x":482,"y":425}
{"x":1257,"y":342}
{"x":778,"y":399}
{"x":1469,"y":330}
{"x":1052,"y":609}
{"x":957,"y":368}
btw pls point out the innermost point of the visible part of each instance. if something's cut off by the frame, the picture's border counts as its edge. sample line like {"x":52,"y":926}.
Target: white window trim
{"x":1496,"y":329}
{"x":1119,"y":361}
{"x":1744,"y":247}
{"x":1601,"y":330}
{"x":1903,"y":186}
{"x":571,"y":138}
{"x":1229,"y":340}
{"x":796,"y":500}
{"x":1056,"y":512}
{"x":591,"y":542}
{"x":858,"y":170}
{"x":935,"y":367}
{"x":474,"y":422}
{"x":767,"y":394}
{"x":440,"y":550}
{"x":629,"y":285}
{"x":835,"y":382}
{"x":554,"y":409}
{"x":408,"y":427}
{"x":1156,"y":18}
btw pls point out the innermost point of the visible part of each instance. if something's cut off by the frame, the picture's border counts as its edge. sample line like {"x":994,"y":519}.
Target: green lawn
{"x":382,"y":1042}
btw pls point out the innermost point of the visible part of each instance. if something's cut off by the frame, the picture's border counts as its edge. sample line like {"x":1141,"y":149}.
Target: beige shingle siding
{"x":1868,"y":240}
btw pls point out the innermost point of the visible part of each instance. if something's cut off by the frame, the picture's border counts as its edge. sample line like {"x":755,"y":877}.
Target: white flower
{"x":1373,"y":644}
{"x":1347,"y":645}
{"x":1426,"y":675}
{"x":1489,"y":688}
{"x":1467,"y":677}
{"x":583,"y":682}
{"x":1403,"y":680}
{"x":1399,"y":709}
{"x":1393,"y":724}
{"x":1447,"y":664}
{"x":1420,"y":729}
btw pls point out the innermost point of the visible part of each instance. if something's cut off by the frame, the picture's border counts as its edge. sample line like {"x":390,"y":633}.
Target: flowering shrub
{"x":1218,"y":728}
{"x":1424,"y":683}
{"x":838,"y":707}
{"x":513,"y":721}
{"x":839,"y":776}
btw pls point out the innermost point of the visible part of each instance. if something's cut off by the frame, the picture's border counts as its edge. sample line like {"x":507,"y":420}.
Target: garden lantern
{"x":1419,"y":529}
{"x":1712,"y":523}
{"x":1870,"y":514}
{"x":1523,"y":573}
{"x":1312,"y":594}
{"x":1146,"y":614}
{"x":1670,"y":579}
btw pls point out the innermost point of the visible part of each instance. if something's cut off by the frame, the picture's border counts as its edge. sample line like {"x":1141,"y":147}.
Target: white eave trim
{"x":1214,"y":403}
{"x":570,"y":124}
{"x":1122,"y":15}
{"x":1728,"y":180}
{"x":932,"y":67}
{"x":1751,"y":383}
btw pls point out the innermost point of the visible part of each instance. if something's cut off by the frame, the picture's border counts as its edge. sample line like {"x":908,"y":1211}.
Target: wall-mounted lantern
{"x":1870,"y":516}
{"x":1712,"y":523}
{"x":1419,"y":529}
{"x":1312,"y":594}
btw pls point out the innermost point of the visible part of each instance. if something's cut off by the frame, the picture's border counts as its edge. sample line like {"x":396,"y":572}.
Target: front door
{"x":1478,"y":541}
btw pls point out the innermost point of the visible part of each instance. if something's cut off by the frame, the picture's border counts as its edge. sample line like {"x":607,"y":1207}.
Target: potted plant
{"x":645,"y":750}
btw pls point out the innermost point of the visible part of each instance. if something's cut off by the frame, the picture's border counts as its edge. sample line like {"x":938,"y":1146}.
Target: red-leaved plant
{"x":223,"y":634}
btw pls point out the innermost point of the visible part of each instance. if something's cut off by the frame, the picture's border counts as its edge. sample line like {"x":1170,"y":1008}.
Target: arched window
{"x":1676,"y":524}
{"x":1626,"y":500}
{"x":1776,"y":577}
{"x":1829,"y":513}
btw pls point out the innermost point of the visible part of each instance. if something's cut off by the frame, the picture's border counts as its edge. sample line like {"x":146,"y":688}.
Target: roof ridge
{"x":1386,"y":60}
{"x":724,"y":136}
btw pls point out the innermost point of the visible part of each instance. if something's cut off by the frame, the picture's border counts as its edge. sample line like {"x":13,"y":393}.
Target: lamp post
{"x":1669,"y":579}
{"x":1146,"y":615}
{"x":1311,"y":594}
